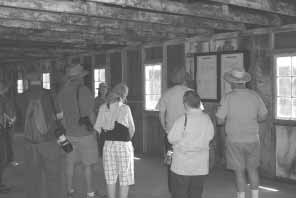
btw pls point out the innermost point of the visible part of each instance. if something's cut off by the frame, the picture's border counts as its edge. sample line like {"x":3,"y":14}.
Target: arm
{"x":87,"y":102}
{"x":130,"y":122}
{"x":263,"y":112}
{"x":175,"y":134}
{"x":99,"y":121}
{"x":222,"y":111}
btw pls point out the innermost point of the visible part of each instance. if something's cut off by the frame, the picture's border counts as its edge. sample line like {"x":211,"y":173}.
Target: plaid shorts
{"x":118,"y":161}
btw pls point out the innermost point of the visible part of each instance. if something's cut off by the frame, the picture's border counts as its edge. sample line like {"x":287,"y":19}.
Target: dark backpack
{"x":36,"y":125}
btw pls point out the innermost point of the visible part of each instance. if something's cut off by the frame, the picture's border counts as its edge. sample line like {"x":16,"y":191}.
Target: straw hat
{"x":3,"y":87}
{"x":237,"y":76}
{"x":76,"y":71}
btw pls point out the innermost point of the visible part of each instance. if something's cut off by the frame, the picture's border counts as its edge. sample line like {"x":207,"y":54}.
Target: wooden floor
{"x":151,"y":182}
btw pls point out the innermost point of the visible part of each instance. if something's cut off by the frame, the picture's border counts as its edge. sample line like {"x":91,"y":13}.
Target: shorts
{"x":84,"y":150}
{"x":118,"y":161}
{"x":242,"y":155}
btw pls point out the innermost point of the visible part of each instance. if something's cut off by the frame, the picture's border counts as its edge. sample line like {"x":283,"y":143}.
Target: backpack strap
{"x":77,"y":100}
{"x":186,"y":121}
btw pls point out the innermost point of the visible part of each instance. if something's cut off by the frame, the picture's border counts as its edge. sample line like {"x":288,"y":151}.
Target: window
{"x":99,"y":77}
{"x":285,"y":78}
{"x":152,"y":85}
{"x":46,"y":81}
{"x":20,"y":86}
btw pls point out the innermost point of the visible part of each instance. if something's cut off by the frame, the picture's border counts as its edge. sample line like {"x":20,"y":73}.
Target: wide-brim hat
{"x":237,"y":76}
{"x":3,"y":88}
{"x":76,"y":71}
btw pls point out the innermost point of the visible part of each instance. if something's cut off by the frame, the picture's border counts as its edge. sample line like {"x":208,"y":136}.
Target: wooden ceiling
{"x":37,"y":29}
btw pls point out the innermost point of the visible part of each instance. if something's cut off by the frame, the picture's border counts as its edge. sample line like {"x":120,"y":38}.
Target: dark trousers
{"x":43,"y":160}
{"x":187,"y":186}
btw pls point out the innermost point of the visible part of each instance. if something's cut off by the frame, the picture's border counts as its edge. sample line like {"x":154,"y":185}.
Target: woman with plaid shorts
{"x":116,"y":122}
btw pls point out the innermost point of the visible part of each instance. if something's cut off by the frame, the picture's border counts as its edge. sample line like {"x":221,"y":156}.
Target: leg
{"x":52,"y":170}
{"x":236,"y":161}
{"x":179,"y":185}
{"x":253,"y":162}
{"x":69,"y":175}
{"x":196,"y":186}
{"x":110,"y":168}
{"x":123,"y":191}
{"x":88,"y":175}
{"x":111,"y":190}
{"x":240,"y":180}
{"x":33,"y":171}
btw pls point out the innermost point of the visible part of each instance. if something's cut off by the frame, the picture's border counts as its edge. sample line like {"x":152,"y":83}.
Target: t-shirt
{"x":68,"y":103}
{"x":171,"y":102}
{"x":241,"y":108}
{"x":191,"y":143}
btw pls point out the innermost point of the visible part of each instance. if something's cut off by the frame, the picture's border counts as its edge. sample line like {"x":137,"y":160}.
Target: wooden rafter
{"x":283,"y":7}
{"x":86,"y":13}
{"x":199,"y":9}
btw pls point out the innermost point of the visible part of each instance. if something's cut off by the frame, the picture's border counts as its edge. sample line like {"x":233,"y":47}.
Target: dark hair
{"x":192,"y":99}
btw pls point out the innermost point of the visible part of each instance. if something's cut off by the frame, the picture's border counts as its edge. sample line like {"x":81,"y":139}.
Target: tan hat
{"x":237,"y":76}
{"x":3,"y":87}
{"x":33,"y":76}
{"x":76,"y":71}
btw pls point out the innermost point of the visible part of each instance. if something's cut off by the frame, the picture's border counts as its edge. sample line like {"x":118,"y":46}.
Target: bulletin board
{"x":207,"y":76}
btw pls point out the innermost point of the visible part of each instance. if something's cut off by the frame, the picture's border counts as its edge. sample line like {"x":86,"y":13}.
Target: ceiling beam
{"x":198,"y":9}
{"x":88,"y":14}
{"x":283,"y":7}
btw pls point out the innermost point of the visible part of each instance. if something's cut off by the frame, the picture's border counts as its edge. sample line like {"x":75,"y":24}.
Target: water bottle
{"x":63,"y":141}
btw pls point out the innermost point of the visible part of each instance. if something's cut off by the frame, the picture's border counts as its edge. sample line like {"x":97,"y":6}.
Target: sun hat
{"x":76,"y":71}
{"x":237,"y":76}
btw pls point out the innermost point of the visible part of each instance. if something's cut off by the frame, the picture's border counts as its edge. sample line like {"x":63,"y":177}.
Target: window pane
{"x":20,"y":86}
{"x":151,"y":101}
{"x":102,"y":75}
{"x":284,"y":66}
{"x":284,"y":108}
{"x":96,"y":75}
{"x":284,"y":87}
{"x":46,"y":80}
{"x":294,"y":87}
{"x":294,"y":66}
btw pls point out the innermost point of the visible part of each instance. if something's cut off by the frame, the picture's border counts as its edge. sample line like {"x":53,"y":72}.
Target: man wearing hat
{"x":241,"y":110}
{"x":7,"y":117}
{"x":42,"y":154}
{"x":77,"y":101}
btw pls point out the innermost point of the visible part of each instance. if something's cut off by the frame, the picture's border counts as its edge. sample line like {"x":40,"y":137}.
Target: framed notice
{"x":229,"y":61}
{"x":207,"y":76}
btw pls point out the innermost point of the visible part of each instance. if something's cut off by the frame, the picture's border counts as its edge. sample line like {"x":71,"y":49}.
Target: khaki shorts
{"x":85,"y":150}
{"x":241,"y":156}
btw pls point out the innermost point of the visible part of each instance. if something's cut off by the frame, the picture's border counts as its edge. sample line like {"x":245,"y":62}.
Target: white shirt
{"x":116,"y":112}
{"x":191,"y":144}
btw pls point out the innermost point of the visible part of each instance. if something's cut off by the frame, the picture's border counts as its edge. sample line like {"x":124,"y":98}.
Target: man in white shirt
{"x":190,"y":137}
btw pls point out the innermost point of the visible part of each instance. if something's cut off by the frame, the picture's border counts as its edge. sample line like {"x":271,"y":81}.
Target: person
{"x":190,"y":137}
{"x":171,"y":106}
{"x":116,"y":122}
{"x":76,"y":102}
{"x":7,"y":118}
{"x":241,"y":110}
{"x":101,"y":98}
{"x":42,"y":154}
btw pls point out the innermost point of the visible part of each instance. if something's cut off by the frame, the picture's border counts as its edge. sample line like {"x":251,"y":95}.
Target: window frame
{"x":279,"y":121}
{"x":152,"y":62}
{"x":94,"y":80}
